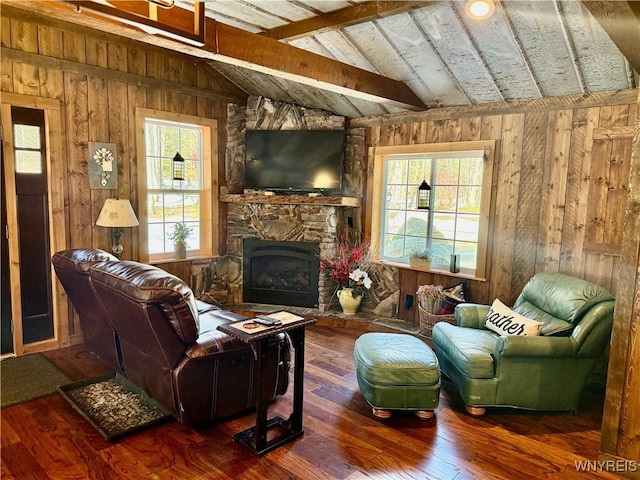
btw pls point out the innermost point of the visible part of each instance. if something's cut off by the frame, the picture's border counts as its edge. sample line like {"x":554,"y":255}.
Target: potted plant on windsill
{"x":420,"y":258}
{"x":181,"y":231}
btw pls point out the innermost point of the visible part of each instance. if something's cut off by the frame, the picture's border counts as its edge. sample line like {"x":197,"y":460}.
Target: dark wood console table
{"x":255,"y":437}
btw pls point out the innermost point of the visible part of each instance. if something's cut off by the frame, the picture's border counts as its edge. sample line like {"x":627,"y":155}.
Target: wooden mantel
{"x":291,"y":199}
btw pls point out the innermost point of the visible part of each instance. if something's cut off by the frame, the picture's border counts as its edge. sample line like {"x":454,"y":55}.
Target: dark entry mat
{"x":27,"y":378}
{"x":114,"y":406}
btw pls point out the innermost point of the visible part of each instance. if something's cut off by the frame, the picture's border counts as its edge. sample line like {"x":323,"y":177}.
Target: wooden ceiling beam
{"x":231,"y":45}
{"x":248,"y":50}
{"x":621,"y":21}
{"x":363,"y":12}
{"x":181,"y":24}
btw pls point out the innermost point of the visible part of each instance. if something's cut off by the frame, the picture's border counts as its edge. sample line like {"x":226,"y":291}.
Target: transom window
{"x":455,"y":223}
{"x":28,"y":149}
{"x":168,"y":201}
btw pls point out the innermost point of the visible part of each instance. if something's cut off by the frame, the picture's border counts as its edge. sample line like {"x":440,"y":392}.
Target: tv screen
{"x":294,"y":161}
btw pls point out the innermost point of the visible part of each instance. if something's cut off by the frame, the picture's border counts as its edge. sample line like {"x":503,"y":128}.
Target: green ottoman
{"x":397,"y":372}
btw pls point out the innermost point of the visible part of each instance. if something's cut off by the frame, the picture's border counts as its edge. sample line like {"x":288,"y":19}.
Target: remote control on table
{"x":264,"y":320}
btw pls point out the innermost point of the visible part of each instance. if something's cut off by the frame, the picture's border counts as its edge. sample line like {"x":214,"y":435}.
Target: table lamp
{"x":117,"y":214}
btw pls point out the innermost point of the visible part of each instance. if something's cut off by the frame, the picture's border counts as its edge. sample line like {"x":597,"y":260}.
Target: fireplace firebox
{"x":280,"y":272}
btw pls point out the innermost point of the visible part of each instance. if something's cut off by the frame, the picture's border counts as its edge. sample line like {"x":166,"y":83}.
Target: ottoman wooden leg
{"x":424,"y":414}
{"x":381,"y":413}
{"x":476,"y":411}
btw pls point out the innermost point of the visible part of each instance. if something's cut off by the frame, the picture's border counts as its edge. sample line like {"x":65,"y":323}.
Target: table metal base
{"x":248,"y":436}
{"x":255,"y":438}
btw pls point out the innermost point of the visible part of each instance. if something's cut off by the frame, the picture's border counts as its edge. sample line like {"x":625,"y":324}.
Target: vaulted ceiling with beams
{"x":526,"y":49}
{"x":360,"y":58}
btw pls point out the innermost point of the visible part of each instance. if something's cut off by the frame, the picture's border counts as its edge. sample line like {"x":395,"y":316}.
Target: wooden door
{"x":33,"y":175}
{"x":32,"y":219}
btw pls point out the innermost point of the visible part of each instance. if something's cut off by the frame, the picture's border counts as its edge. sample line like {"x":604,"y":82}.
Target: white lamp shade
{"x":117,"y":213}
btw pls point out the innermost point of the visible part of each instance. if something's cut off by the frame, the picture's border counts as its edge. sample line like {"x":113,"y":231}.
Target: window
{"x":456,"y":223}
{"x":165,"y":201}
{"x":28,"y":148}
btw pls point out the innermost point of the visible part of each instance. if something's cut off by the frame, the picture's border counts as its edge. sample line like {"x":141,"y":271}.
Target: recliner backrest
{"x":151,"y":285}
{"x":155,"y":316}
{"x":72,"y":269}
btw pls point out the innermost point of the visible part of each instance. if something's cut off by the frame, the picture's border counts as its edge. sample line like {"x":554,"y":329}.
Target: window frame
{"x":209,"y":209}
{"x":377,"y":156}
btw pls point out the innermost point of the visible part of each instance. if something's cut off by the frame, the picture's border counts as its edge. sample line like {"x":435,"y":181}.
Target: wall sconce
{"x":178,"y":167}
{"x":424,"y":196}
{"x":479,"y":9}
{"x":116,"y":214}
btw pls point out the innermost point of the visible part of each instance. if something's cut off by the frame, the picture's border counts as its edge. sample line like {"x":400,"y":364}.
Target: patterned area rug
{"x":27,"y":378}
{"x":114,"y":406}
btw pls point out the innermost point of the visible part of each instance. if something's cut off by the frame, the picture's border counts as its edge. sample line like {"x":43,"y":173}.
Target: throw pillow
{"x":453,"y":296}
{"x":504,"y":321}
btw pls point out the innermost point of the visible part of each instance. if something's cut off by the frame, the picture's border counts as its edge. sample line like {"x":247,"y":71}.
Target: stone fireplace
{"x":287,"y":226}
{"x":284,"y":273}
{"x":316,"y":220}
{"x":222,"y":280}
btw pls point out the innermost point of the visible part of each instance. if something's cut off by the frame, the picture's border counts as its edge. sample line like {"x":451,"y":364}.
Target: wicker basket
{"x":429,"y":298}
{"x":428,"y":320}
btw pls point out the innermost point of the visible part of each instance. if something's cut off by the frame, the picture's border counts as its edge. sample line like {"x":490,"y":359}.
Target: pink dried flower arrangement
{"x":348,"y":263}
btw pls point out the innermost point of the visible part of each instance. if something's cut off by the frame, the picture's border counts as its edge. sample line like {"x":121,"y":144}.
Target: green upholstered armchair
{"x":545,"y":372}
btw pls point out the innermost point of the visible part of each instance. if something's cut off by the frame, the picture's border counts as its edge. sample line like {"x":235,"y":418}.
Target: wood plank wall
{"x":559,"y":190}
{"x":100,"y":80}
{"x":620,"y":442}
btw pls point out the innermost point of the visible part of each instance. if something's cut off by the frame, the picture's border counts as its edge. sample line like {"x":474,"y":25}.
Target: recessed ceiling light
{"x":479,"y":9}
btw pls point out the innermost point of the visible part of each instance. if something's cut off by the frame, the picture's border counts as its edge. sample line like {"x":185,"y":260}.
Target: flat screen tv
{"x":294,"y":161}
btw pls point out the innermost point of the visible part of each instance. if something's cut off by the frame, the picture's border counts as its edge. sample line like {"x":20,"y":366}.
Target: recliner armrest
{"x":524,"y":346}
{"x":210,"y":340}
{"x":471,"y":315}
{"x":214,"y":343}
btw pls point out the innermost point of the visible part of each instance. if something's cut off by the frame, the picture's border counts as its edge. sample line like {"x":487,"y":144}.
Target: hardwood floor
{"x":46,"y":438}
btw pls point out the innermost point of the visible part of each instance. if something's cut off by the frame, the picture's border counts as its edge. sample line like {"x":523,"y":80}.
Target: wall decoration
{"x":103,"y":166}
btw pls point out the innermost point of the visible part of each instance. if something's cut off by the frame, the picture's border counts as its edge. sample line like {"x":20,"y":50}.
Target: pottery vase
{"x":420,"y":263}
{"x":180,"y":250}
{"x":348,"y":302}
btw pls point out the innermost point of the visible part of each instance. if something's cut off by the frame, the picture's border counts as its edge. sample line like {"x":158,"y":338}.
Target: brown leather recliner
{"x":176,"y":354}
{"x":72,"y":268}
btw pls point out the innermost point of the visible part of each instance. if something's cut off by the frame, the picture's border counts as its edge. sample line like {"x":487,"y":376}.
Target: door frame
{"x":57,"y":188}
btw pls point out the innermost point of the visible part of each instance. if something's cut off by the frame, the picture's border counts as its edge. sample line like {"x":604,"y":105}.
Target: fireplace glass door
{"x":280,"y":273}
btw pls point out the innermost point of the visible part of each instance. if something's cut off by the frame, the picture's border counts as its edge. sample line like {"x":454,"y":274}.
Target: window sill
{"x":162,"y":261}
{"x":436,"y":271}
